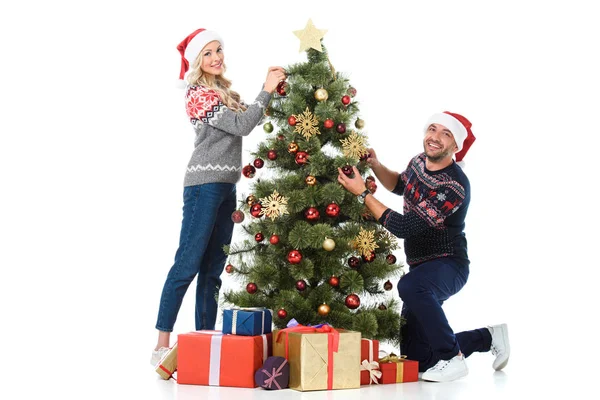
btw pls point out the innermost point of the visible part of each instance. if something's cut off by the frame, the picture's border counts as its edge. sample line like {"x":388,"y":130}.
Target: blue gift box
{"x":247,"y":321}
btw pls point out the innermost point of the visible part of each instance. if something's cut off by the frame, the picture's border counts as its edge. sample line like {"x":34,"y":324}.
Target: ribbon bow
{"x":392,"y":358}
{"x":271,"y":377}
{"x":373,"y":368}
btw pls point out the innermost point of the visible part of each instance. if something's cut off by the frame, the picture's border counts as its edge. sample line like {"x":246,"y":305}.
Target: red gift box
{"x":369,"y":367}
{"x":396,"y":369}
{"x":211,"y":358}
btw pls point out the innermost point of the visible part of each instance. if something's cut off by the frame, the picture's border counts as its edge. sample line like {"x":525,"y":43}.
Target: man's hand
{"x":354,"y":185}
{"x":372,"y":159}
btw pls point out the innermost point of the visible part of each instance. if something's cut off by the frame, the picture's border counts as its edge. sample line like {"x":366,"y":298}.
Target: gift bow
{"x":373,"y":368}
{"x":271,"y":377}
{"x":392,"y":358}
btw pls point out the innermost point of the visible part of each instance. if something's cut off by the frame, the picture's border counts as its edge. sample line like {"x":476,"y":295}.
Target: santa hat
{"x":191,"y":46}
{"x":460,"y":128}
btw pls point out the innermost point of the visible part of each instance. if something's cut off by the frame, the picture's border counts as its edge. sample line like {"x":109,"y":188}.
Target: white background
{"x":95,"y":142}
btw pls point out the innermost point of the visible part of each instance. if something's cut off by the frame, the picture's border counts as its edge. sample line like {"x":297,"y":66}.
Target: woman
{"x":220,"y":120}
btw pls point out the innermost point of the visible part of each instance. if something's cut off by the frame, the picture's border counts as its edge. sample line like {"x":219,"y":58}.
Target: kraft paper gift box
{"x":247,"y":321}
{"x":396,"y":369}
{"x":320,"y":359}
{"x":211,"y":358}
{"x":369,"y":365}
{"x":168,"y":364}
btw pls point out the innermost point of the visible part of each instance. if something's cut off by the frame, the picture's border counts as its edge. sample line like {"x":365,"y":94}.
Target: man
{"x":436,"y":199}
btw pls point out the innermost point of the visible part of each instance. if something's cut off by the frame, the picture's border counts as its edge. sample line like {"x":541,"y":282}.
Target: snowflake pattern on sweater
{"x":435,"y":207}
{"x":202,"y":104}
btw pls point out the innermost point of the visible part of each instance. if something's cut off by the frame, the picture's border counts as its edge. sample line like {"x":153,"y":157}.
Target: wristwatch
{"x":361,"y":197}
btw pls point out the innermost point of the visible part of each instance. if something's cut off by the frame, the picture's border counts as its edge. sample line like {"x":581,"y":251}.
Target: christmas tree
{"x":314,"y":252}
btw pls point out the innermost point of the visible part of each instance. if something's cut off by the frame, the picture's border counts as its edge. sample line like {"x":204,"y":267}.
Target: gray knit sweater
{"x":217,"y":155}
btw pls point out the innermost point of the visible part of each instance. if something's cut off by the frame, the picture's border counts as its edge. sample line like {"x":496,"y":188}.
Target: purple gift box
{"x":274,"y":374}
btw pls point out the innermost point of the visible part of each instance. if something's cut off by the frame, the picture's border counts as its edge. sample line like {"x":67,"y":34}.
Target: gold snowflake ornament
{"x":365,"y":242}
{"x":307,"y":124}
{"x":354,"y":146}
{"x":274,"y":206}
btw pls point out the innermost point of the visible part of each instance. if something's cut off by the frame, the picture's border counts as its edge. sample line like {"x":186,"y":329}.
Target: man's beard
{"x":440,"y":156}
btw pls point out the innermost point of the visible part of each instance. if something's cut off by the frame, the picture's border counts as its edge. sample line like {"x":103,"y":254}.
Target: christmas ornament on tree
{"x":332,"y":210}
{"x":292,"y":120}
{"x":351,"y":91}
{"x":334,"y":281}
{"x":365,"y":242}
{"x":268,"y":127}
{"x":359,"y":123}
{"x":272,"y":155}
{"x":369,"y":257}
{"x":307,"y":124}
{"x":281,"y":313}
{"x":256,"y":210}
{"x":301,"y":157}
{"x":310,"y":37}
{"x":346,"y":100}
{"x":294,"y":257}
{"x":293,"y":147}
{"x":390,"y":259}
{"x":328,"y":244}
{"x":237,"y":216}
{"x":281,"y":88}
{"x":324,"y":310}
{"x":352,"y":301}
{"x":274,"y":206}
{"x":382,"y":307}
{"x":259,"y":237}
{"x":372,"y":186}
{"x":250,"y":200}
{"x":259,"y":163}
{"x":251,"y":288}
{"x":328,"y":124}
{"x":341,"y":128}
{"x":274,"y":239}
{"x":354,"y":146}
{"x":348,"y":171}
{"x":354,"y":262}
{"x":249,"y":171}
{"x":280,"y":137}
{"x":310,"y":180}
{"x":321,"y":94}
{"x":300,"y":285}
{"x":388,"y":285}
{"x":312,"y":214}
{"x":229,"y":268}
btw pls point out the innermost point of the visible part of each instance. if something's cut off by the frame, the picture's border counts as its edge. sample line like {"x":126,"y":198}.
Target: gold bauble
{"x":324,"y":310}
{"x":359,"y":124}
{"x":321,"y":94}
{"x":293,"y":147}
{"x":329,"y":244}
{"x":311,"y":180}
{"x":251,"y":200}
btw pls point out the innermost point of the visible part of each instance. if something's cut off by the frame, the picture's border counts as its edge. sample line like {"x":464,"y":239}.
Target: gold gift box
{"x":308,"y":356}
{"x":167,"y":366}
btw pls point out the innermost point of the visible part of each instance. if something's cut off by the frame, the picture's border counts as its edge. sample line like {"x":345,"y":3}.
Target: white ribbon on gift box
{"x":235,"y":313}
{"x":371,"y":365}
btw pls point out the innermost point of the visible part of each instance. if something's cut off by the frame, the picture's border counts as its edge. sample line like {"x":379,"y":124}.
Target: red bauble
{"x":369,"y":258}
{"x":280,"y":137}
{"x":332,"y":210}
{"x":390,"y":259}
{"x":251,"y":288}
{"x":312,"y":214}
{"x":301,"y":158}
{"x":348,"y":171}
{"x":259,"y":163}
{"x":259,"y":237}
{"x":388,"y":285}
{"x":237,"y":216}
{"x":352,"y":301}
{"x":369,"y":178}
{"x":229,"y":268}
{"x":372,"y":186}
{"x":300,"y":285}
{"x":281,"y":88}
{"x":341,"y":128}
{"x":274,"y":239}
{"x":346,"y":100}
{"x":294,"y":257}
{"x":334,"y":281}
{"x":351,"y":91}
{"x":272,"y":155}
{"x":328,"y":123}
{"x":281,"y":313}
{"x":292,"y":120}
{"x":354,"y":262}
{"x":255,"y":210}
{"x":249,"y":171}
{"x":364,"y":157}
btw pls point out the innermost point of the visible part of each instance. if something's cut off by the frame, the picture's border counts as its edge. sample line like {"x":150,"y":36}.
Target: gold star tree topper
{"x":310,"y":37}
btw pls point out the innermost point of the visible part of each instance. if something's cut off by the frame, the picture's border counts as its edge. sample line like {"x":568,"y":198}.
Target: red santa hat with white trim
{"x":460,"y":128}
{"x":192,"y":45}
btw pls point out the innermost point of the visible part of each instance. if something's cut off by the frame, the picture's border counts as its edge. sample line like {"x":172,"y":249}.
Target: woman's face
{"x":212,"y":58}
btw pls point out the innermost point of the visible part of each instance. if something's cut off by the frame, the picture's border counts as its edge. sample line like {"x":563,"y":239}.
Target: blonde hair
{"x":218,"y":83}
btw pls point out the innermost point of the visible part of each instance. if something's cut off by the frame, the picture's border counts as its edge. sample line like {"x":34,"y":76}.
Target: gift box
{"x":247,"y":321}
{"x":212,"y":358}
{"x":369,"y":365}
{"x":321,"y":358}
{"x":168,"y":364}
{"x":396,"y":369}
{"x":274,"y":374}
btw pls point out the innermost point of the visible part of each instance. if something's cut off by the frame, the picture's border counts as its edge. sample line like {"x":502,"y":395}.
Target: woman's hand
{"x":274,"y":76}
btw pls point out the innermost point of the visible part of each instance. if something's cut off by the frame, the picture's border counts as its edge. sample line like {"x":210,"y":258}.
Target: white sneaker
{"x":500,"y":345}
{"x":157,"y":355}
{"x":447,"y":370}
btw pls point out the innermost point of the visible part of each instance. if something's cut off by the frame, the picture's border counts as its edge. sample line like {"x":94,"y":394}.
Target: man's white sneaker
{"x":447,"y":370}
{"x":500,"y":345}
{"x":157,"y":355}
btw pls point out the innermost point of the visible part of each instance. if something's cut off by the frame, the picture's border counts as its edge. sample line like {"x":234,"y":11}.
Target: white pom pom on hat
{"x":191,"y":46}
{"x":460,"y":128}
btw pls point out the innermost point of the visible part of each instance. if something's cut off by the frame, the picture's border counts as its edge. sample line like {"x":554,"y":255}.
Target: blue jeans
{"x":206,"y":227}
{"x":427,"y":336}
